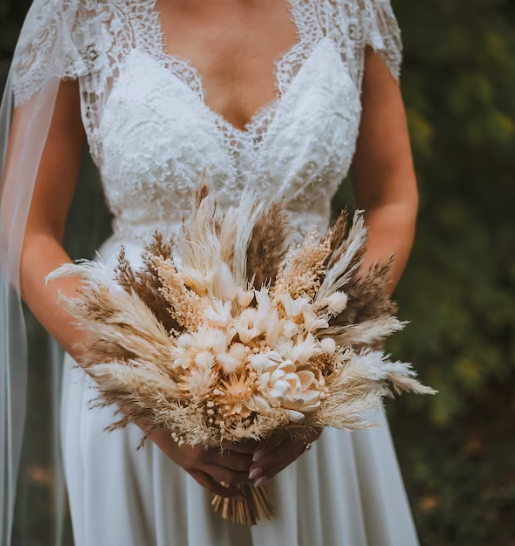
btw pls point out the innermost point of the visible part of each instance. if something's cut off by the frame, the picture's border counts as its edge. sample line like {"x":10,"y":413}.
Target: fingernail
{"x":258,"y":455}
{"x":255,"y":473}
{"x":260,"y":481}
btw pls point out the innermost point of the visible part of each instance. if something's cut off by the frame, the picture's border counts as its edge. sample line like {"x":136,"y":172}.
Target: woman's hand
{"x":244,"y":462}
{"x":272,"y":457}
{"x":208,"y":466}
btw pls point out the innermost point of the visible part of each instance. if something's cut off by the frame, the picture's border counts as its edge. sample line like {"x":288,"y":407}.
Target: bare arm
{"x":384,"y":179}
{"x":42,"y":250}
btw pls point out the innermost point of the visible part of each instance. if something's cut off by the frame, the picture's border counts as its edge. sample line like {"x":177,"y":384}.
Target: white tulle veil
{"x":49,"y":50}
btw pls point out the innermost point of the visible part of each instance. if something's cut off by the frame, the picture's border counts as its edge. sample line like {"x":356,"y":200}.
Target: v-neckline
{"x":278,"y":77}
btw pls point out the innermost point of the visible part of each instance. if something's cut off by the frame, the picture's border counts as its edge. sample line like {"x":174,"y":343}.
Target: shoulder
{"x":373,"y":23}
{"x":60,"y":39}
{"x":383,"y":34}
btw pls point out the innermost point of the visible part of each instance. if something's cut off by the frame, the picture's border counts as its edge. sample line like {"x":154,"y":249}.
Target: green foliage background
{"x":456,"y":449}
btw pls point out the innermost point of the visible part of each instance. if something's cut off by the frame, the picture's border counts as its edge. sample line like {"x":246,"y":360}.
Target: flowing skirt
{"x":346,"y":491}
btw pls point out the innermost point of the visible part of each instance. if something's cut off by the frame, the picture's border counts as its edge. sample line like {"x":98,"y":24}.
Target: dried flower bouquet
{"x":228,"y":334}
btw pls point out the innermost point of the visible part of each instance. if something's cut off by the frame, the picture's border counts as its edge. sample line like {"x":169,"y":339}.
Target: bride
{"x":285,"y":95}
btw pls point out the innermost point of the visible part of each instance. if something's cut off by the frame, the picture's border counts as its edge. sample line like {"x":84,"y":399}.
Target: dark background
{"x":456,"y":449}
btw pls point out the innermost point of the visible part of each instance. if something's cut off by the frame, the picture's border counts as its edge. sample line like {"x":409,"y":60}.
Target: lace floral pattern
{"x":152,"y":134}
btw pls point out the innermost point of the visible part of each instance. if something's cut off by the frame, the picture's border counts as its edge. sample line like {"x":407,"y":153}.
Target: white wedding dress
{"x":151,"y":135}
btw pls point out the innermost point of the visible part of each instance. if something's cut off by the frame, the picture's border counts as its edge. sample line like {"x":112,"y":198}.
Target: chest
{"x":233,"y":46}
{"x":155,"y":129}
{"x":155,"y":92}
{"x":244,"y":74}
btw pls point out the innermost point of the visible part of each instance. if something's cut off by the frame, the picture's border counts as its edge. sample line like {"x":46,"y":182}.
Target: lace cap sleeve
{"x":54,"y":43}
{"x":382,"y":33}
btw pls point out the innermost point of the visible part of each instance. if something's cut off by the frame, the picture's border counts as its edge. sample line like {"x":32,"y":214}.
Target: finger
{"x":259,"y":473}
{"x":271,"y":472}
{"x":283,"y":457}
{"x":239,"y":462}
{"x":289,"y":450}
{"x":221,"y":474}
{"x":268,"y":446}
{"x":206,"y":481}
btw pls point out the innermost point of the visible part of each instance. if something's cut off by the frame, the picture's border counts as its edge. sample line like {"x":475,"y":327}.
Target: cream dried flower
{"x":282,"y":385}
{"x":236,"y":397}
{"x":233,"y":360}
{"x":199,"y":382}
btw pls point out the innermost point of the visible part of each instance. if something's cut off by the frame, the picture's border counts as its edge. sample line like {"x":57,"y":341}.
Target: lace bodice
{"x":152,"y":135}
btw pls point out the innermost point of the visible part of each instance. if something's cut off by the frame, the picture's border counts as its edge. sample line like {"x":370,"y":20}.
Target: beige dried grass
{"x":162,"y":340}
{"x":268,"y":246}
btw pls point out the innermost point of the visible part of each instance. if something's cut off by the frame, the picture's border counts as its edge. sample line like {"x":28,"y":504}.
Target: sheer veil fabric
{"x":90,"y":40}
{"x":45,"y":54}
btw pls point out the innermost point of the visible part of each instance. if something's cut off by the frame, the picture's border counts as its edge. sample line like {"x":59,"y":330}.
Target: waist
{"x":133,"y":236}
{"x":142,"y":230}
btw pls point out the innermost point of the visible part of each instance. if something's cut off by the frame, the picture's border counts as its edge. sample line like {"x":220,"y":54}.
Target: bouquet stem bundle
{"x":254,"y":504}
{"x":230,"y":334}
